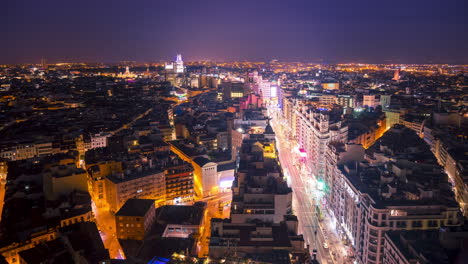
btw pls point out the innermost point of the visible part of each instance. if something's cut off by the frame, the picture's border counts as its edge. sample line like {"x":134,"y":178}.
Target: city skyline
{"x":227,"y":132}
{"x":291,"y":163}
{"x":312,"y":31}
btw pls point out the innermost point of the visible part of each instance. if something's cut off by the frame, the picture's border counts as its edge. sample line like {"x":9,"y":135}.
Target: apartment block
{"x":143,"y":184}
{"x":135,"y":219}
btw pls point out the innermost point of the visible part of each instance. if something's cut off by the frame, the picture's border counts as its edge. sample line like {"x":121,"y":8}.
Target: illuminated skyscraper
{"x":179,"y":64}
{"x":396,"y":75}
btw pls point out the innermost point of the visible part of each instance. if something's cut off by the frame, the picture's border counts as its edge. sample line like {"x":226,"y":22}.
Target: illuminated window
{"x":397,"y":213}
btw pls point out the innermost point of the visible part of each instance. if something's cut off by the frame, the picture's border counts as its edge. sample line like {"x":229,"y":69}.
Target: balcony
{"x":371,"y":259}
{"x":373,"y":249}
{"x":373,"y":234}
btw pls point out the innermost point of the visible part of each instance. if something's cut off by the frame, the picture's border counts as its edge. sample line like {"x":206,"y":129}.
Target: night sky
{"x":373,"y":31}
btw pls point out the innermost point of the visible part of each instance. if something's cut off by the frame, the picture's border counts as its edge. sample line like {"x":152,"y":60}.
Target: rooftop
{"x":181,"y":214}
{"x":134,"y":175}
{"x":422,"y":247}
{"x":201,"y":161}
{"x":53,"y":251}
{"x":135,"y":207}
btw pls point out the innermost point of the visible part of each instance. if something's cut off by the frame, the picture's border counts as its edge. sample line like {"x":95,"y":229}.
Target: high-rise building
{"x":277,"y":203}
{"x":314,"y":129}
{"x":261,"y":224}
{"x":179,"y":64}
{"x":176,"y":66}
{"x":396,"y":75}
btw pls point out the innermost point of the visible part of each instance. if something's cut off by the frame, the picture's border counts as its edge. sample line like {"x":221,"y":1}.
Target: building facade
{"x":314,"y":129}
{"x":135,"y":219}
{"x":149,"y":184}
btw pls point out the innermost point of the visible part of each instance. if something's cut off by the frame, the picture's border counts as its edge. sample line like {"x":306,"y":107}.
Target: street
{"x":319,"y":235}
{"x":105,"y":221}
{"x":2,"y":197}
{"x":212,"y":211}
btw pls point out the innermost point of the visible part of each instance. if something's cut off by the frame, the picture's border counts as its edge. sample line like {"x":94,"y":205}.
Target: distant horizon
{"x":368,"y":31}
{"x":232,"y":61}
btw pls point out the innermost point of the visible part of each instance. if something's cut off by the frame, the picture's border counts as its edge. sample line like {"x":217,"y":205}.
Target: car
{"x":325,"y":245}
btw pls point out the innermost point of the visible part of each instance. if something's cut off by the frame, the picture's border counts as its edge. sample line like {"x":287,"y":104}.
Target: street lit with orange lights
{"x":105,"y":221}
{"x":217,"y":207}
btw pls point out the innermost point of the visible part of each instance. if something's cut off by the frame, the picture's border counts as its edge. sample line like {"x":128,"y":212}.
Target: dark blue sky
{"x":375,"y":31}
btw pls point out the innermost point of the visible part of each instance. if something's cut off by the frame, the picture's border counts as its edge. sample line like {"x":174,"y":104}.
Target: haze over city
{"x":336,"y":31}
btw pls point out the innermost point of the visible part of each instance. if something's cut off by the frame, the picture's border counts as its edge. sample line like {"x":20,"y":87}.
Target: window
{"x":417,"y":223}
{"x":397,"y":213}
{"x":401,"y":224}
